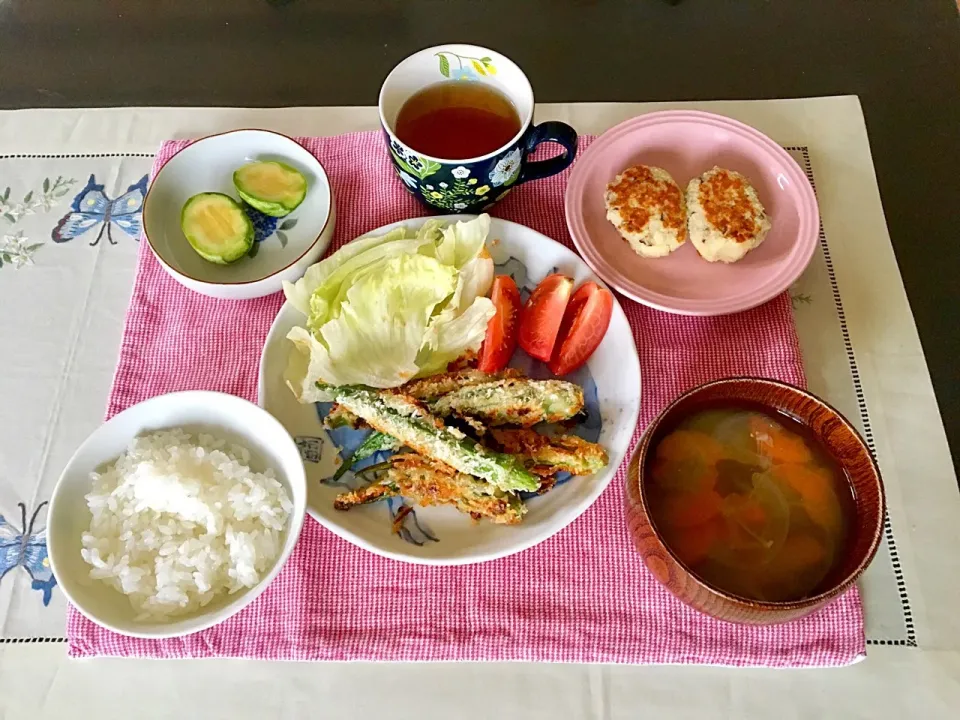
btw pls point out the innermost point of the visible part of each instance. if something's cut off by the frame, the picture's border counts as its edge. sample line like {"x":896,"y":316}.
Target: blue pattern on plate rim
{"x":412,"y":529}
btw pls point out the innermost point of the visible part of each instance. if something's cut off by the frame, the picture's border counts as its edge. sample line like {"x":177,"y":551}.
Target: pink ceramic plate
{"x":687,"y":143}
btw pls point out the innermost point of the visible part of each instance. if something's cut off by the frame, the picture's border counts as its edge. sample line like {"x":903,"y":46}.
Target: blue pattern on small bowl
{"x":265,"y":226}
{"x":411,"y":529}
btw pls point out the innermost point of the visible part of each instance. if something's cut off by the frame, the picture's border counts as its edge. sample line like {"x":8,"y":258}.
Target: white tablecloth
{"x":63,"y":305}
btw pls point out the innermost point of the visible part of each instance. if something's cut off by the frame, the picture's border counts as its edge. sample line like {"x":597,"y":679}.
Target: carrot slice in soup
{"x":800,"y":553}
{"x":693,"y":544}
{"x":752,"y":514}
{"x":689,"y":509}
{"x":777,"y":443}
{"x":818,"y":496}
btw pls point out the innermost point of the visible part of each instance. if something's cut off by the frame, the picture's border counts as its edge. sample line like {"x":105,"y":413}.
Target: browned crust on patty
{"x":640,"y":195}
{"x":726,"y":205}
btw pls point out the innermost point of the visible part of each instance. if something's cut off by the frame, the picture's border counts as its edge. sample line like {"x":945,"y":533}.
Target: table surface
{"x":861,"y":352}
{"x":902,"y":60}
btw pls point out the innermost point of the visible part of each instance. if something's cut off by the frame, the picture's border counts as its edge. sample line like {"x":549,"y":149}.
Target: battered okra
{"x":549,"y":454}
{"x":427,"y":482}
{"x":403,"y":418}
{"x":513,"y":401}
{"x":426,"y":389}
{"x":374,"y":492}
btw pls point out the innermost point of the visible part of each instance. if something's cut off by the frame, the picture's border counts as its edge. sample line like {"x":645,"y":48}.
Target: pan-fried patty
{"x":726,"y":217}
{"x":648,"y":209}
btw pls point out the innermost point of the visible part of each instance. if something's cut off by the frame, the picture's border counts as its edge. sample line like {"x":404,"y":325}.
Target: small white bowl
{"x":207,"y":165}
{"x":221,"y":415}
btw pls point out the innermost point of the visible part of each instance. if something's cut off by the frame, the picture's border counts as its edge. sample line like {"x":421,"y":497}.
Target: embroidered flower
{"x":443,"y":185}
{"x":459,"y":206}
{"x":506,"y":171}
{"x":461,"y":172}
{"x":482,"y":190}
{"x":14,"y":249}
{"x":15,"y":212}
{"x":436,"y":195}
{"x":472,"y":181}
{"x":414,"y":162}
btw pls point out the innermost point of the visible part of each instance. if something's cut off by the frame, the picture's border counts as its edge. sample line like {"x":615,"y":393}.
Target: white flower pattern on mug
{"x":460,"y":172}
{"x":407,"y":178}
{"x":506,"y":171}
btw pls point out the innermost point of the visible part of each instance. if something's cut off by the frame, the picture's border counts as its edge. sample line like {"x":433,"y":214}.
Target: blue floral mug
{"x":474,"y":184}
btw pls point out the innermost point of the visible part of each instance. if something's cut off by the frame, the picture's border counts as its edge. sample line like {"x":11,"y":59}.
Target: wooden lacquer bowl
{"x":834,"y":433}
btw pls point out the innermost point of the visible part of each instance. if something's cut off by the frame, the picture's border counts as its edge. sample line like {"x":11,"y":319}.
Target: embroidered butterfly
{"x":91,"y":207}
{"x":28,"y":550}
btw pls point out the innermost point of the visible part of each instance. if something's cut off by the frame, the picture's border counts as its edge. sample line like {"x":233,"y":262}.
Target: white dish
{"x":221,"y":415}
{"x":460,"y":540}
{"x":285,"y":247}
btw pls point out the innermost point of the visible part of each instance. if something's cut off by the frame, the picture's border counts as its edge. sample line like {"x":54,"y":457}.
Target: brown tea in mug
{"x":457,"y":120}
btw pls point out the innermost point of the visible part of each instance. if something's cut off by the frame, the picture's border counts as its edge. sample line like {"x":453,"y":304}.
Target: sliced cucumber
{"x":217,"y":227}
{"x":273,"y":188}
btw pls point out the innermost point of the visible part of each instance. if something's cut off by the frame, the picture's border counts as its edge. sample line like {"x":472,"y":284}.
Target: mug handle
{"x":553,"y":131}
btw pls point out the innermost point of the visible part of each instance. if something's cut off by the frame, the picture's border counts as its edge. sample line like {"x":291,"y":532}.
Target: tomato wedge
{"x":584,"y":324}
{"x":542,"y":315}
{"x":501,"y":338}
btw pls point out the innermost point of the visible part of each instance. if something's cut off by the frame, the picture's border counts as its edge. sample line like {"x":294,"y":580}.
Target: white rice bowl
{"x":179,"y":520}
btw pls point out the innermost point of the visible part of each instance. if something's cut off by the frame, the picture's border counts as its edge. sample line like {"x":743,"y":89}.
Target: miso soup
{"x":750,"y":502}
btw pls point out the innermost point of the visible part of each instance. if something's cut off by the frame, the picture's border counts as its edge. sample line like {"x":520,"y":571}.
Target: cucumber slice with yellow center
{"x":217,"y":227}
{"x":273,"y":188}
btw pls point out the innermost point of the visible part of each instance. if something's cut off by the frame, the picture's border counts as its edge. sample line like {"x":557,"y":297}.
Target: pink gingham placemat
{"x":581,"y":596}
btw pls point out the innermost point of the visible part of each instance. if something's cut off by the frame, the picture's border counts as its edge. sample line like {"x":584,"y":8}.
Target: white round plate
{"x":285,"y":246}
{"x":459,"y":540}
{"x":221,"y":415}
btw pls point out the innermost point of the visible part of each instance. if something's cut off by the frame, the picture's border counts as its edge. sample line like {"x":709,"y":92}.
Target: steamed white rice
{"x":178,"y":520}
